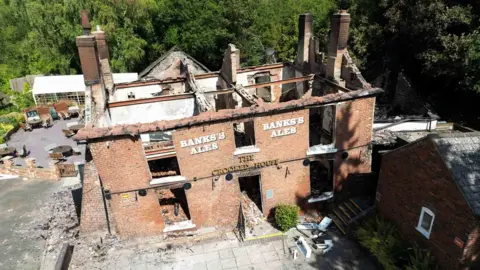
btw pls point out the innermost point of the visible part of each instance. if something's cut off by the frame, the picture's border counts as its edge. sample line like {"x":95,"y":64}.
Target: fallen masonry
{"x":56,"y":222}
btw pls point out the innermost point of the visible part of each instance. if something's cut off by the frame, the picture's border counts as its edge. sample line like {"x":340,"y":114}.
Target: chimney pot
{"x":102,"y":46}
{"x":85,"y":22}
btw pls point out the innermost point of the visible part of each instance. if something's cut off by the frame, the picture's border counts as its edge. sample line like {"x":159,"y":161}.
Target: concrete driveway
{"x":18,"y":203}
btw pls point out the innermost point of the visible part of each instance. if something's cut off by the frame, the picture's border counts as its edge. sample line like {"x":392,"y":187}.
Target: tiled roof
{"x":461,"y":154}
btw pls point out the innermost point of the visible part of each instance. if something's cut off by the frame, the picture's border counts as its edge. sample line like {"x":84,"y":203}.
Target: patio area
{"x":37,"y":139}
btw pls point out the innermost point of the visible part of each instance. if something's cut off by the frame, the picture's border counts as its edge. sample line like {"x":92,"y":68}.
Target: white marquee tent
{"x":50,"y":89}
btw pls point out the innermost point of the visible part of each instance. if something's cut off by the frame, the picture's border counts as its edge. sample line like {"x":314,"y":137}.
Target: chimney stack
{"x":337,"y":46}
{"x":104,"y":57}
{"x":304,"y":35}
{"x":87,"y":52}
{"x":102,"y":46}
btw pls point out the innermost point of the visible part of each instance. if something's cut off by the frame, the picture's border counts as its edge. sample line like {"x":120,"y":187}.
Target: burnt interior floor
{"x":173,"y":203}
{"x":164,"y":167}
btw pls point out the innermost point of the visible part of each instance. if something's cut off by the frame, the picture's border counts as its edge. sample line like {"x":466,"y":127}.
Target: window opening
{"x":425,"y":223}
{"x":164,"y":167}
{"x":263,"y":92}
{"x":321,"y":125}
{"x":157,"y":141}
{"x":173,"y":205}
{"x":244,"y":134}
{"x":321,"y":180}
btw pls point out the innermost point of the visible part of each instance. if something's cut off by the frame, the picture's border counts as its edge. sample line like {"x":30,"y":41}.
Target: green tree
{"x":436,"y":45}
{"x":21,"y":100}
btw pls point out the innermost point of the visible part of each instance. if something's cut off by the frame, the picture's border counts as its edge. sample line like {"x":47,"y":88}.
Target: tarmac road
{"x":19,"y":200}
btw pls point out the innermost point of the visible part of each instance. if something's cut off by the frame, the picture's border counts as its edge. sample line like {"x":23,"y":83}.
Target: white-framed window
{"x":425,"y":223}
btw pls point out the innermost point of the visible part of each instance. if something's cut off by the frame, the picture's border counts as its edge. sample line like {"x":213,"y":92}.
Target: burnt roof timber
{"x":90,"y":132}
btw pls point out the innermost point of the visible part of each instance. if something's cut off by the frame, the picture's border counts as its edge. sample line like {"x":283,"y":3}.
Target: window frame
{"x":419,"y":224}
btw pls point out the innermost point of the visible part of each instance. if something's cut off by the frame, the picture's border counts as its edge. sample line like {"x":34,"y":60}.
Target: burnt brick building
{"x":176,"y":150}
{"x":430,"y":188}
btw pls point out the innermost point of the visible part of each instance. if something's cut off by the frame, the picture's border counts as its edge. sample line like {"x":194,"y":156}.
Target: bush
{"x":286,"y":216}
{"x":13,"y":118}
{"x":420,"y":259}
{"x":4,"y":129}
{"x":382,"y":239}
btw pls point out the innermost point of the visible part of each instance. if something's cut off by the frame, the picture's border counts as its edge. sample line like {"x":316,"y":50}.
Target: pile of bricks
{"x":250,"y":211}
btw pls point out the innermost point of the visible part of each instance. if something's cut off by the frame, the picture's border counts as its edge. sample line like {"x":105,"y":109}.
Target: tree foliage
{"x":38,"y":36}
{"x":434,"y":43}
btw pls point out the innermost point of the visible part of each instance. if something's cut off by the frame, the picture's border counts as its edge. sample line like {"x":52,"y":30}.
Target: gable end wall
{"x":415,"y":176}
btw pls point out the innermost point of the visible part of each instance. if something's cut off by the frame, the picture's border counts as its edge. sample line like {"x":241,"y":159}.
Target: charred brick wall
{"x":93,"y":218}
{"x":213,"y":200}
{"x":122,"y":167}
{"x":353,"y":135}
{"x":413,"y":177}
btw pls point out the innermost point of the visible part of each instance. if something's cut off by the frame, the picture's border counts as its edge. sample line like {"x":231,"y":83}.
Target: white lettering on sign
{"x":283,"y":123}
{"x":208,"y":143}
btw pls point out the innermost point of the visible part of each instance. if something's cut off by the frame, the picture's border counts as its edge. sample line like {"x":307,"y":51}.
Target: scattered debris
{"x":384,"y":137}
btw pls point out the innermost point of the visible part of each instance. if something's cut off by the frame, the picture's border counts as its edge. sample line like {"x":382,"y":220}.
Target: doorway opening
{"x":174,"y":206}
{"x":250,"y":185}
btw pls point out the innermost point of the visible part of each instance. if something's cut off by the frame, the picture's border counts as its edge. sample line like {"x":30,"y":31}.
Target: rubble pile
{"x":253,"y":215}
{"x":56,"y":221}
{"x":384,"y":137}
{"x":91,"y":250}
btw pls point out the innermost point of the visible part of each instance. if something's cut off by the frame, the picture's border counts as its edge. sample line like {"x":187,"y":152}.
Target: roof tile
{"x":461,"y":154}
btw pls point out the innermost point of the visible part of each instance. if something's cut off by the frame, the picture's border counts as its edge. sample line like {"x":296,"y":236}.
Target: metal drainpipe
{"x":105,"y":206}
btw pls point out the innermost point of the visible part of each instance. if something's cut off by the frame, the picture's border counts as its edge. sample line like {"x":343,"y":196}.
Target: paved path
{"x":229,"y":254}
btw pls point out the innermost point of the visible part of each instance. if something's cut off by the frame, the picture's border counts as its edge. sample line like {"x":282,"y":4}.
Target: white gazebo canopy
{"x":71,"y":83}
